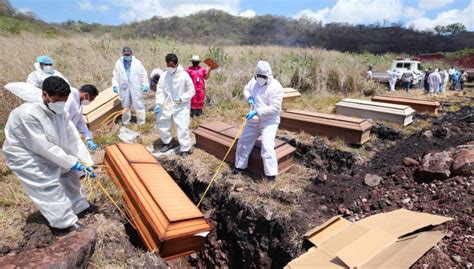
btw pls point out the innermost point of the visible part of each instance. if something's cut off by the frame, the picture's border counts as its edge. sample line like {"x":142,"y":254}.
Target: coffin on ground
{"x":352,"y":130}
{"x":418,"y":105}
{"x":216,"y":137}
{"x":166,"y":219}
{"x":400,"y":114}
{"x":106,"y":103}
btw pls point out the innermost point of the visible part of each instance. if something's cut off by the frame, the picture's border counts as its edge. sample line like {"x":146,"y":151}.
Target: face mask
{"x":171,"y":70}
{"x":57,"y":107}
{"x":48,"y":69}
{"x":127,"y":58}
{"x":85,"y":102}
{"x":261,"y":81}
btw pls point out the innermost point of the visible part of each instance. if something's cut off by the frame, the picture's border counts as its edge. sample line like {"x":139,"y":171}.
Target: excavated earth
{"x":268,"y":233}
{"x":260,"y":224}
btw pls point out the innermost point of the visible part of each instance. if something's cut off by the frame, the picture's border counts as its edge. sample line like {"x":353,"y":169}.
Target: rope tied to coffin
{"x":221,"y":164}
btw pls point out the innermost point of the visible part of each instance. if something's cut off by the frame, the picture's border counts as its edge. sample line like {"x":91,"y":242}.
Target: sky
{"x":418,"y":14}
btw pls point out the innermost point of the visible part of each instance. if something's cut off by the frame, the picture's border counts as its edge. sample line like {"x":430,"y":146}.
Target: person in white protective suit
{"x":393,"y":77}
{"x":434,"y":81}
{"x":129,"y":80}
{"x":74,"y":106}
{"x":44,"y":69}
{"x":42,"y":147}
{"x":174,"y":92}
{"x":445,"y":78}
{"x":265,"y":95}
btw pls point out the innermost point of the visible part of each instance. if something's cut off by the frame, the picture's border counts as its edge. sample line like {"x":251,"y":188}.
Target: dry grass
{"x":91,"y":60}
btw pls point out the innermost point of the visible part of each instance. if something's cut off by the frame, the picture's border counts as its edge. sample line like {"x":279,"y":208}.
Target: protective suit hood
{"x":264,"y":68}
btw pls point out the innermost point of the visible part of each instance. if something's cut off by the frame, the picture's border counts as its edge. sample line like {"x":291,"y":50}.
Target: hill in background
{"x":214,"y":27}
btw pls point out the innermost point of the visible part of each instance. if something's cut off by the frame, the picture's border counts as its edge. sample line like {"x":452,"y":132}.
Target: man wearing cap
{"x":129,"y":80}
{"x":198,"y":74}
{"x":44,"y":69}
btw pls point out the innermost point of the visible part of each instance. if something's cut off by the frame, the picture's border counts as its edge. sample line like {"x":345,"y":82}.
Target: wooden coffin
{"x":418,"y":105}
{"x":376,"y":110}
{"x":106,"y":103}
{"x":352,"y":130}
{"x":216,"y":137}
{"x":290,"y":94}
{"x":166,"y":219}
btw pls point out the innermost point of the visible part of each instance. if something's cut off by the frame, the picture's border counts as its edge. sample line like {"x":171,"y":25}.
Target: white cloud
{"x":412,"y":12}
{"x":464,"y":16}
{"x":248,"y":14}
{"x":433,"y":4}
{"x":319,"y":15}
{"x":24,"y":10}
{"x":356,"y":11}
{"x":145,"y":9}
{"x":89,"y":6}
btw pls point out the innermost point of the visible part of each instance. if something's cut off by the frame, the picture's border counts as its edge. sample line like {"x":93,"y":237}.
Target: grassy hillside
{"x":316,"y":72}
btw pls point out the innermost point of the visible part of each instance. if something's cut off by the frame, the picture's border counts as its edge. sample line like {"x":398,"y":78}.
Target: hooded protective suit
{"x":434,"y":81}
{"x":392,"y":81}
{"x":173,"y":86}
{"x":130,"y":88}
{"x":37,"y":77}
{"x":74,"y":109}
{"x":445,"y":78}
{"x":40,"y":148}
{"x":268,"y":99}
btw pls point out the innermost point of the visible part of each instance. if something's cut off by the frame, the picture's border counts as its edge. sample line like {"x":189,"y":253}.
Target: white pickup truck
{"x":401,"y":66}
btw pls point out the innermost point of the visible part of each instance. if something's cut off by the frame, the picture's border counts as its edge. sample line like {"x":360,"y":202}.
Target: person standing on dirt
{"x":444,"y":78}
{"x":434,"y":81}
{"x":76,"y":101}
{"x":463,"y":78}
{"x":407,"y":79}
{"x":129,"y":80}
{"x":455,"y":77}
{"x":425,"y":79}
{"x":173,"y":102}
{"x":44,"y":69}
{"x":369,"y":74}
{"x":198,"y":75}
{"x":393,"y":77}
{"x":264,"y":94}
{"x":44,"y":150}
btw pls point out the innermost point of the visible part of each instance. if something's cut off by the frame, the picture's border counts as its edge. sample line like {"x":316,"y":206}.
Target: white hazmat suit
{"x":40,"y":148}
{"x":392,"y":81}
{"x":130,"y":89}
{"x":74,"y":109}
{"x":268,"y":99}
{"x":37,"y":77}
{"x":173,"y":86}
{"x":434,"y":80}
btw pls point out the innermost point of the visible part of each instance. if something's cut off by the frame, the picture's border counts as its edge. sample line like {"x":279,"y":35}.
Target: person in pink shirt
{"x":198,"y":74}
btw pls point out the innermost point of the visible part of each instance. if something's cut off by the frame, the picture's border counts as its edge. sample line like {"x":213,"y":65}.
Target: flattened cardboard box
{"x":386,"y":240}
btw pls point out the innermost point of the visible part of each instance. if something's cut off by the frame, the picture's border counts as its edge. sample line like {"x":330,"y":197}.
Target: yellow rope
{"x":222,"y":163}
{"x":88,"y":181}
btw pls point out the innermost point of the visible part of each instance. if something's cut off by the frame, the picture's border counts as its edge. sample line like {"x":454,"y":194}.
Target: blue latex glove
{"x":251,"y":101}
{"x":251,"y":114}
{"x":91,"y":144}
{"x":146,"y":88}
{"x":178,"y":100}
{"x":90,"y":172}
{"x":78,"y":167}
{"x":115,"y":89}
{"x":157,"y":109}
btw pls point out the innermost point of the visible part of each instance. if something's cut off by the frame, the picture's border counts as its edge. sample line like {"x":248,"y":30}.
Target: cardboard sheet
{"x":386,"y":240}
